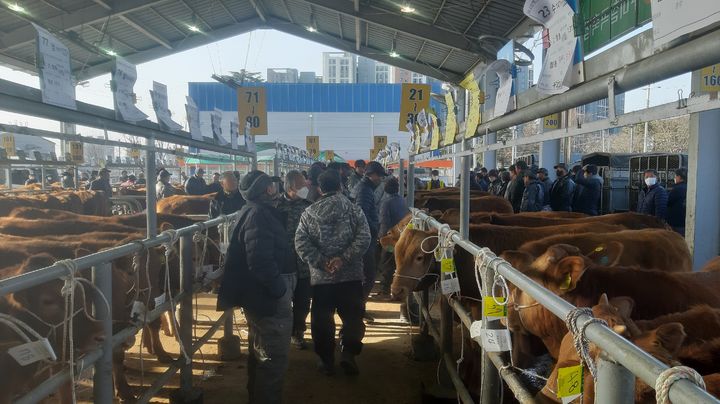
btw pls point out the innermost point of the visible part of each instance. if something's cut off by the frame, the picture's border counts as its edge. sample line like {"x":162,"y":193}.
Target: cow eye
{"x":419,"y":258}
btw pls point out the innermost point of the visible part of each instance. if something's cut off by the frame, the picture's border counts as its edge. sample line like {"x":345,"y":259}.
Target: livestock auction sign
{"x":54,"y":69}
{"x":551,"y":121}
{"x":312,"y":145}
{"x":710,"y":78}
{"x":413,"y":99}
{"x":76,"y":152}
{"x":8,"y":143}
{"x":379,"y":142}
{"x":450,"y":120}
{"x":252,"y":108}
{"x":603,"y":21}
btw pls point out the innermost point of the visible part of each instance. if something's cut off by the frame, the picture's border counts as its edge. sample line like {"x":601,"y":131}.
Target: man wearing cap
{"x":67,"y":180}
{"x":516,"y":187}
{"x":562,"y":190}
{"x":102,"y":183}
{"x":196,"y":185}
{"x":355,"y":178}
{"x":332,"y":237}
{"x":588,"y":199}
{"x":228,"y":200}
{"x":163,"y":188}
{"x":260,"y":278}
{"x":542,"y":176}
{"x":374,"y":174}
{"x":533,"y":194}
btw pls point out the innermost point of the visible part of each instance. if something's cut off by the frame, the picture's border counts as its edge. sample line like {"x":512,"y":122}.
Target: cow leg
{"x":158,"y":349}
{"x":65,"y":393}
{"x":166,"y":325}
{"x":124,"y":391}
{"x":147,"y":341}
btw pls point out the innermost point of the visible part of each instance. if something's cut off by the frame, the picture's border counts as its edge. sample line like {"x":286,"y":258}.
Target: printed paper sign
{"x":450,"y":120}
{"x":562,"y":42}
{"x":56,"y":81}
{"x":312,"y":145}
{"x":193,"y":118}
{"x":476,"y":329}
{"x":675,"y":18}
{"x":159,"y":98}
{"x":76,"y":152}
{"x":504,"y":92}
{"x":249,"y":139}
{"x":496,"y":340}
{"x":216,"y":125}
{"x":492,"y":310}
{"x":32,"y":352}
{"x":124,"y":76}
{"x":449,"y":286}
{"x":8,"y":143}
{"x":234,"y":133}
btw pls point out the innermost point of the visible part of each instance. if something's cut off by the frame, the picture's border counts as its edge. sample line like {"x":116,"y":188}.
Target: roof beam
{"x":487,"y":3}
{"x":287,"y":10}
{"x":112,"y":38}
{"x":349,"y":46}
{"x":358,"y":34}
{"x":340,"y":28}
{"x":437,"y":15}
{"x":197,"y":15}
{"x":227,"y":10}
{"x":180,"y":45}
{"x":258,"y":9}
{"x":64,"y":22}
{"x":145,"y":31}
{"x":407,"y":26}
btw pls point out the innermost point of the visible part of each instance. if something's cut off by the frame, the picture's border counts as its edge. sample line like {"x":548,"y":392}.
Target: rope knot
{"x":668,"y":377}
{"x":581,"y":343}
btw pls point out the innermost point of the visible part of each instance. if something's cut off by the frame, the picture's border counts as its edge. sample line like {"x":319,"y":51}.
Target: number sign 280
{"x":252,"y":109}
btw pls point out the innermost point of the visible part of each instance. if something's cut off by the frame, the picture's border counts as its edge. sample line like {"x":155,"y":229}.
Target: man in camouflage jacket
{"x":332,"y":238}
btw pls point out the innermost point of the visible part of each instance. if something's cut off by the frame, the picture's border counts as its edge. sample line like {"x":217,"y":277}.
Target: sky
{"x":255,"y":51}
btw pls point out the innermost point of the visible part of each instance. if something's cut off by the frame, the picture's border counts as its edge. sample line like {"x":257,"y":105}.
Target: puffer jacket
{"x":196,"y":186}
{"x":588,"y":199}
{"x":514,"y":193}
{"x":653,"y":201}
{"x":333,"y":227}
{"x":367,"y":200}
{"x":292,"y":209}
{"x":533,"y":196}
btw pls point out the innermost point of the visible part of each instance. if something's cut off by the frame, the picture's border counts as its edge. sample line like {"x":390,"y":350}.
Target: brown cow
{"x":185,"y":204}
{"x":712,"y":266}
{"x":483,"y":203}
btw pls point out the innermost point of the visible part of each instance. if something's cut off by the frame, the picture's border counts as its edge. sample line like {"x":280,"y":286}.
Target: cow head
{"x":615,"y":313}
{"x":411,"y":263}
{"x":663,"y":343}
{"x":389,"y":240}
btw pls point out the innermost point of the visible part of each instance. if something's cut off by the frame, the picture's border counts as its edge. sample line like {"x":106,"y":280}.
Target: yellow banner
{"x":469,"y":82}
{"x":252,"y":108}
{"x":413,"y":99}
{"x":8,"y":143}
{"x":450,"y":120}
{"x":552,"y":121}
{"x":710,"y":78}
{"x":435,"y":132}
{"x":379,"y":142}
{"x":474,"y":114}
{"x":312,"y":145}
{"x":76,"y":152}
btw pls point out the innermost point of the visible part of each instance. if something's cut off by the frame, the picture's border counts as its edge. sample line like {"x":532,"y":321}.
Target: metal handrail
{"x":624,"y":352}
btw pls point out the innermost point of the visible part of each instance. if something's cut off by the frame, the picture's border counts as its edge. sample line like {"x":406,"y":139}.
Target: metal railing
{"x":617,"y":366}
{"x":101,"y":358}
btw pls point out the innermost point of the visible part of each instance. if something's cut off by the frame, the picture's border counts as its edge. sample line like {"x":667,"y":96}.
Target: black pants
{"x":301,"y":306}
{"x":386,"y":268}
{"x":348,"y":299}
{"x":370,"y":267}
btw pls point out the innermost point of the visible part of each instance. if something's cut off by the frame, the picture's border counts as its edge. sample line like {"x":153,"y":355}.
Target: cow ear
{"x":607,"y":254}
{"x":670,"y":336}
{"x":520,"y":260}
{"x":624,"y":304}
{"x":565,"y":275}
{"x":603,"y":301}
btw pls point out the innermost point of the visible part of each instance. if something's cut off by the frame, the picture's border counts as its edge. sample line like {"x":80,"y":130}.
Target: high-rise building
{"x":282,"y":75}
{"x":307,"y":77}
{"x":339,"y":67}
{"x":366,"y":70}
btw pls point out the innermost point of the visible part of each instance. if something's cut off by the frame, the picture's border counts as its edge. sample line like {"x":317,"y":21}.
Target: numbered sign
{"x":56,"y":81}
{"x":710,"y":78}
{"x":414,"y":98}
{"x":570,"y":383}
{"x":8,"y":143}
{"x":373,"y":153}
{"x":447,"y":265}
{"x":252,"y":108}
{"x":551,"y":121}
{"x":379,"y":142}
{"x":134,"y":153}
{"x":493,"y":310}
{"x":76,"y":152}
{"x":329,"y":155}
{"x":312,"y":145}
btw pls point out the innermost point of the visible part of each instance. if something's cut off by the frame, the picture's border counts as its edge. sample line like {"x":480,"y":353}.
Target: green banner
{"x":603,"y":21}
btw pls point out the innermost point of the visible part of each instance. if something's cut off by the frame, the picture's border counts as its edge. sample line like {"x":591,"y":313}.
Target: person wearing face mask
{"x":562,"y":190}
{"x":676,"y":206}
{"x":435,"y":181}
{"x":653,"y":197}
{"x":260,"y":278}
{"x":292,"y":204}
{"x":228,"y":200}
{"x":587,"y":200}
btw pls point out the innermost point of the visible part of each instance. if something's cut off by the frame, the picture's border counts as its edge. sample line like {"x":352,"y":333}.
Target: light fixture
{"x":394,"y":54}
{"x":110,"y":52}
{"x":311,"y":29}
{"x":313,"y":24}
{"x":16,"y":8}
{"x":193,"y":25}
{"x":407,"y":8}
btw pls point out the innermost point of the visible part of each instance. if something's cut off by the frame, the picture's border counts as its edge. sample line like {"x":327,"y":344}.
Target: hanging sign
{"x":252,"y":108}
{"x":159,"y":98}
{"x":312,"y":145}
{"x":234,"y":133}
{"x":8,"y":143}
{"x":434,"y":129}
{"x":379,"y":142}
{"x":179,"y":159}
{"x":675,"y":18}
{"x":56,"y":81}
{"x":124,"y":76}
{"x":450,"y":120}
{"x":216,"y":125}
{"x":413,"y":99}
{"x":193,"y":119}
{"x":249,"y":139}
{"x":329,"y":155}
{"x":76,"y":152}
{"x":552,"y":121}
{"x":710,"y":78}
{"x":570,"y":383}
{"x":476,"y":98}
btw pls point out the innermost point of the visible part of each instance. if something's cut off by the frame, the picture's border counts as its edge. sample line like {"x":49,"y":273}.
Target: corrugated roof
{"x":439,"y":39}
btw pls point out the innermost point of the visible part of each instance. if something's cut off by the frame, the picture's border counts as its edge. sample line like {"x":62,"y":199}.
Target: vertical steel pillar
{"x":150,"y":180}
{"x":549,"y":156}
{"x":76,"y":174}
{"x":8,"y":177}
{"x":42,"y":177}
{"x":187,"y":273}
{"x":401,"y":179}
{"x":615,"y":384}
{"x":490,"y":157}
{"x":465,"y":191}
{"x":411,"y":183}
{"x":234,"y":163}
{"x":103,"y":391}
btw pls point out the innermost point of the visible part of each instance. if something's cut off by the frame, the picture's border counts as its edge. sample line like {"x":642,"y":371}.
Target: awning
{"x":426,"y":164}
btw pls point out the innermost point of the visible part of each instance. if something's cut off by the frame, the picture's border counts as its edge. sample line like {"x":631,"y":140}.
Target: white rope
{"x":670,"y":376}
{"x":582,"y":346}
{"x":169,"y":248}
{"x":68,"y":291}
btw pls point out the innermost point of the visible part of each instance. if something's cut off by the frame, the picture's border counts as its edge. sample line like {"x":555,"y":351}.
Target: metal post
{"x":464,"y":192}
{"x":411,"y":183}
{"x":490,"y":157}
{"x":42,"y":177}
{"x":401,"y":179}
{"x":446,"y":336}
{"x":103,"y":391}
{"x":150,"y":179}
{"x":615,"y":384}
{"x":8,"y":177}
{"x":234,"y":163}
{"x":76,"y":173}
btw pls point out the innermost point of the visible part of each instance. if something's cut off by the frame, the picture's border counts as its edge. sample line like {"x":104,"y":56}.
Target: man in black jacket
{"x":102,"y":183}
{"x":196,"y":185}
{"x":562,"y":190}
{"x":260,"y":278}
{"x":588,"y":199}
{"x":228,"y":200}
{"x":516,"y":187}
{"x":676,"y":204}
{"x":533,"y":194}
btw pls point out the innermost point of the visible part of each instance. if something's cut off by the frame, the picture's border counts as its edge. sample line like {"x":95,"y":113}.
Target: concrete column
{"x":702,"y":223}
{"x":549,"y":155}
{"x":489,"y":157}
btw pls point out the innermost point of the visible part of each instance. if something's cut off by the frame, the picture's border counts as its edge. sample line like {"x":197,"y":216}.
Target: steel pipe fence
{"x":101,"y":358}
{"x":619,"y":359}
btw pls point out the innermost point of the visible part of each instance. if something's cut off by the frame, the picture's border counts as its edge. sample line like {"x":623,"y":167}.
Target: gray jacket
{"x":333,"y":227}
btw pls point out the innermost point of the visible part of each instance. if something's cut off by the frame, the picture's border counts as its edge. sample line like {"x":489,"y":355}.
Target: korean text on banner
{"x":193,"y":118}
{"x":450,"y":120}
{"x":56,"y":81}
{"x":473,"y":119}
{"x":312,"y":145}
{"x":160,"y":105}
{"x":8,"y":143}
{"x":216,"y":126}
{"x":675,"y":18}
{"x":413,"y":99}
{"x":252,"y":108}
{"x":124,"y":76}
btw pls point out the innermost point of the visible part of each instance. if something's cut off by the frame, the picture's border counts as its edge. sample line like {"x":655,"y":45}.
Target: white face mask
{"x":435,"y":177}
{"x":650,"y":181}
{"x":303,"y":192}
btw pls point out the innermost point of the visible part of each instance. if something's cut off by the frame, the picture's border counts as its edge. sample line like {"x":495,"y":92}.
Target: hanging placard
{"x":234,"y":133}
{"x":413,"y":99}
{"x":56,"y":81}
{"x":551,"y":121}
{"x":434,"y":129}
{"x":124,"y":76}
{"x":379,"y":142}
{"x":249,"y":139}
{"x":76,"y":152}
{"x":252,"y":108}
{"x":32,"y":352}
{"x":159,"y":98}
{"x":710,"y":78}
{"x":193,"y":119}
{"x":675,"y":18}
{"x":449,"y":286}
{"x":8,"y":143}
{"x":496,"y":340}
{"x":329,"y":155}
{"x":179,"y":160}
{"x":473,"y":119}
{"x":450,"y":120}
{"x":216,"y":125}
{"x":312,"y":145}
{"x":494,"y":308}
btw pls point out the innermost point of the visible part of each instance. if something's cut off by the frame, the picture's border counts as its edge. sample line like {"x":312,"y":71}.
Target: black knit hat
{"x":254,"y":184}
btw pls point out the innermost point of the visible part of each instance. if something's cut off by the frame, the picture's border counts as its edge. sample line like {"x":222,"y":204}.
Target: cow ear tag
{"x":599,"y":248}
{"x":566,"y":282}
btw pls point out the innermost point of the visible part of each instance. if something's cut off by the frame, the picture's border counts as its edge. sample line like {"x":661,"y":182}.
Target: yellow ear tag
{"x":600,"y":248}
{"x":410,"y":226}
{"x":566,"y":282}
{"x":447,"y":265}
